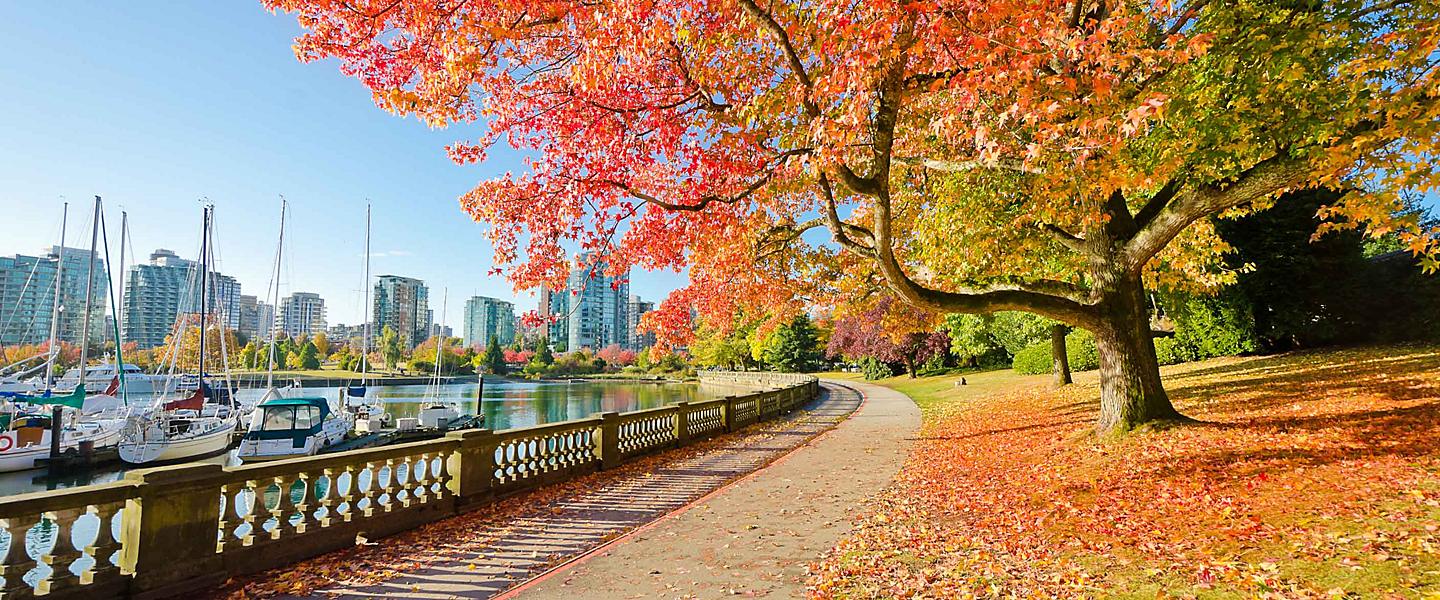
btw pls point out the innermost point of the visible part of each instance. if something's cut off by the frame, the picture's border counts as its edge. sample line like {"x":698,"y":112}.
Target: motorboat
{"x":25,"y":441}
{"x":291,"y":427}
{"x":137,"y":381}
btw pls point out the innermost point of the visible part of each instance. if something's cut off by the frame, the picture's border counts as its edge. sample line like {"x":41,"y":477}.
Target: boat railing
{"x":168,"y":530}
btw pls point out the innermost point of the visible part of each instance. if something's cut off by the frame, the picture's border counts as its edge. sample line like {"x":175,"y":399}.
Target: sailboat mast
{"x":204,"y":288}
{"x":369,"y":312}
{"x":275,"y":295}
{"x":89,"y":291}
{"x":55,"y":308}
{"x":120,"y":316}
{"x":439,"y":339}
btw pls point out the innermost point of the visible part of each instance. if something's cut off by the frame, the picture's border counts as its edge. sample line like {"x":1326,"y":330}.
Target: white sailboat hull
{"x":167,"y":449}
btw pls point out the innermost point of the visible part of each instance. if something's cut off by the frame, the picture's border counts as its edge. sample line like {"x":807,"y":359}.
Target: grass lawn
{"x":1312,"y":475}
{"x":323,"y":373}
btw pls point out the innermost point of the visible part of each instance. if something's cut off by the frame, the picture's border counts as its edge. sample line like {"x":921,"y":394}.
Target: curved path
{"x":754,"y":537}
{"x":698,"y":526}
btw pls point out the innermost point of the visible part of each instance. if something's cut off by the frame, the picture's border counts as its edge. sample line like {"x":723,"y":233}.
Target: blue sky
{"x":154,"y":105}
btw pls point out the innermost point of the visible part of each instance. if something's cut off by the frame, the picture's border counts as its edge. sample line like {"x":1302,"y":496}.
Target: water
{"x":505,"y":404}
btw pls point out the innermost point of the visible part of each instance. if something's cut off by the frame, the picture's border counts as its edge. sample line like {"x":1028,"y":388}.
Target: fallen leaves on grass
{"x":1312,"y":475}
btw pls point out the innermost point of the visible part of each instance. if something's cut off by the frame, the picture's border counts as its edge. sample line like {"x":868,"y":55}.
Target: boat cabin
{"x":287,"y":418}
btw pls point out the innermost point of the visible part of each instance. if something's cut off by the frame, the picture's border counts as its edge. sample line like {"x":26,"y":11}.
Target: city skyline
{"x":156,"y":152}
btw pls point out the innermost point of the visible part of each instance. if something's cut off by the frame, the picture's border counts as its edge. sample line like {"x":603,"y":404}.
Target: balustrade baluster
{"x":372,"y":493}
{"x":103,"y":549}
{"x":390,"y":488}
{"x":63,"y":554}
{"x":330,"y":499}
{"x":352,"y":493}
{"x":223,"y":523}
{"x":251,"y":519}
{"x":284,"y":508}
{"x":308,"y":500}
{"x":442,"y":474}
{"x":17,"y":560}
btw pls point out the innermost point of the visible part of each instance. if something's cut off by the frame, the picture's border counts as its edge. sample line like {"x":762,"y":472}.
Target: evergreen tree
{"x":542,"y":353}
{"x":494,"y":357}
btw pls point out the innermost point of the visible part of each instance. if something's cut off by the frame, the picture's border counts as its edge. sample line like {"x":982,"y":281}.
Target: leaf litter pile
{"x":1310,"y":475}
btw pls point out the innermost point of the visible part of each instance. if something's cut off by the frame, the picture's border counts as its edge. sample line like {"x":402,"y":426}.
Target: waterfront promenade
{"x":675,"y":528}
{"x":754,"y":538}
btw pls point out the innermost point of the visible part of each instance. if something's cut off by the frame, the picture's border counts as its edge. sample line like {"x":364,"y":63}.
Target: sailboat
{"x":359,"y":391}
{"x":284,"y":427}
{"x":28,"y":439}
{"x":436,"y":413}
{"x":187,"y":427}
{"x":272,"y":392}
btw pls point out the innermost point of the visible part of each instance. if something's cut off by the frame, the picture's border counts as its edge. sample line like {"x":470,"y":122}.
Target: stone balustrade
{"x":168,"y":530}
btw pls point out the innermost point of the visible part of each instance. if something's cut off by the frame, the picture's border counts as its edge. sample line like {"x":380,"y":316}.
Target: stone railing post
{"x":170,"y":527}
{"x":682,"y":423}
{"x":730,"y":423}
{"x":609,"y":440}
{"x":472,"y":466}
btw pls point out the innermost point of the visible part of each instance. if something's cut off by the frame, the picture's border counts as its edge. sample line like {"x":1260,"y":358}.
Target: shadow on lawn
{"x":1269,"y":383}
{"x":1316,"y":409}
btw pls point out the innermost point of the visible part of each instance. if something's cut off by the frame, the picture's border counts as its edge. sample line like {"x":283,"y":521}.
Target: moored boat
{"x":292,"y":427}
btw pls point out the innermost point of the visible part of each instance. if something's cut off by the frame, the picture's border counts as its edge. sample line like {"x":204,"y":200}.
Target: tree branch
{"x":956,"y":166}
{"x":1258,"y":182}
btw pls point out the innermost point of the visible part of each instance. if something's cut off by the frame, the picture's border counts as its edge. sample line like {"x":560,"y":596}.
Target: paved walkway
{"x":754,"y":538}
{"x":810,"y":492}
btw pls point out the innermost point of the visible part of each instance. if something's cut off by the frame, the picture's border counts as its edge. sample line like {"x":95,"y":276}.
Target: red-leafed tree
{"x":1048,"y":156}
{"x":889,"y":332}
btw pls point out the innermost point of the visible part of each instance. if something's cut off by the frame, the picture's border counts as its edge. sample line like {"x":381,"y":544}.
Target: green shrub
{"x":1210,"y":326}
{"x":1169,"y":351}
{"x":1079,"y":346}
{"x":874,"y":369}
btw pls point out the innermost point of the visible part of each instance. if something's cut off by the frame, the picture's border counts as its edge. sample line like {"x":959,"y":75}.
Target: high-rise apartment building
{"x":27,"y":296}
{"x":403,"y":303}
{"x":157,"y":292}
{"x":596,"y":307}
{"x":301,"y":314}
{"x":489,"y":317}
{"x":252,"y":325}
{"x":635,"y":340}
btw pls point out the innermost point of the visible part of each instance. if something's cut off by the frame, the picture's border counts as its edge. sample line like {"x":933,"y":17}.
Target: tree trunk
{"x":1130,"y":389}
{"x":1059,"y":356}
{"x":910,"y":366}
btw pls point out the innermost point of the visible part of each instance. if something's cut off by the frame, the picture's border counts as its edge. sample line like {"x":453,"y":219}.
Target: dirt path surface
{"x":755,"y":537}
{"x":523,"y":549}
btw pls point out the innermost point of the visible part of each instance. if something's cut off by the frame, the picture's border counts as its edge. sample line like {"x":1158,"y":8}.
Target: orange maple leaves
{"x":1312,"y":469}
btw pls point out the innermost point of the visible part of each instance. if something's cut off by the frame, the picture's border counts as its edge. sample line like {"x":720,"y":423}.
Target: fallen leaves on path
{"x":1313,"y":475}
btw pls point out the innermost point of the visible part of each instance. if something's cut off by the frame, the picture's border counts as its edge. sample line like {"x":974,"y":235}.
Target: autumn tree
{"x":889,"y":332}
{"x":1052,"y":157}
{"x":391,"y":348}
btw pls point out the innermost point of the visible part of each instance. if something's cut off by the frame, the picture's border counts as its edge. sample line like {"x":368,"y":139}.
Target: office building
{"x":489,"y":317}
{"x":403,"y":304}
{"x":27,"y":296}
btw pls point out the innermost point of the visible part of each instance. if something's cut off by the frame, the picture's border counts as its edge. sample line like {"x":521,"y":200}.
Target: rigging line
{"x":115,"y":323}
